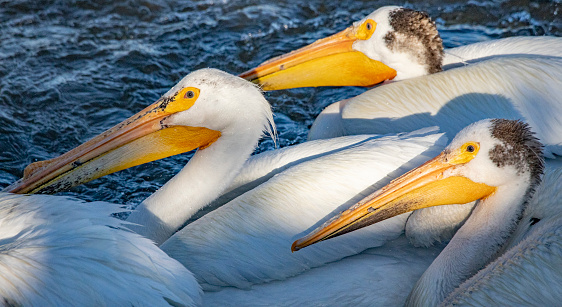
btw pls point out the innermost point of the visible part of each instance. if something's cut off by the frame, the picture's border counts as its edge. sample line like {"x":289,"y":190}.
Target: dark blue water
{"x":71,"y":69}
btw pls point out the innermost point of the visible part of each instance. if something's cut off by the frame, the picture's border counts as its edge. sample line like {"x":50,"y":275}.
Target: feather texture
{"x":58,"y":251}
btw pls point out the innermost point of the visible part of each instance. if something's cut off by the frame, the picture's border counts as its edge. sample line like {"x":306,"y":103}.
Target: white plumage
{"x":548,"y":46}
{"x":517,"y":87}
{"x":246,"y":242}
{"x":527,"y":274}
{"x":529,"y":271}
{"x":513,"y":78}
{"x":517,"y":78}
{"x":511,"y":177}
{"x":58,"y":251}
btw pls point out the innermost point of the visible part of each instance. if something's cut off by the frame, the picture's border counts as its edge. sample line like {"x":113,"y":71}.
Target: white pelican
{"x":57,"y":251}
{"x":243,"y":242}
{"x":515,"y":78}
{"x":228,"y":120}
{"x":527,"y":274}
{"x":500,"y":163}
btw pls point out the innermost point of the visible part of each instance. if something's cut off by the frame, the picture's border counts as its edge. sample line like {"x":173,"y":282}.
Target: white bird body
{"x":246,"y":241}
{"x":527,"y":274}
{"x":249,"y":237}
{"x":57,"y":251}
{"x":548,"y":46}
{"x":512,"y":78}
{"x":319,"y":177}
{"x":143,"y":267}
{"x":261,"y":167}
{"x":530,"y":271}
{"x":515,"y":87}
{"x":532,"y":254}
{"x":516,"y":78}
{"x":381,"y":276}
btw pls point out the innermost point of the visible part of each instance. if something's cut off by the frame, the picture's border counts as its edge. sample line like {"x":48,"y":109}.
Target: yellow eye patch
{"x":465,"y":153}
{"x":366,"y":29}
{"x":183,"y":100}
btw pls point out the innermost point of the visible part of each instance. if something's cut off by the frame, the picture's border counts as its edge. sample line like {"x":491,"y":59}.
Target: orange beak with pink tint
{"x":142,"y":138}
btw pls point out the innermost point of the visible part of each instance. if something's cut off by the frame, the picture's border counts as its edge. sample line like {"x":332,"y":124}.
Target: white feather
{"x":530,"y":272}
{"x":522,"y":87}
{"x":385,"y":275}
{"x":527,"y":274}
{"x":248,"y":240}
{"x":57,"y":251}
{"x":518,"y":45}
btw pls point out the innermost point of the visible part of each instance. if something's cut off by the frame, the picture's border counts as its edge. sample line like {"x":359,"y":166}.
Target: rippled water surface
{"x":71,"y":69}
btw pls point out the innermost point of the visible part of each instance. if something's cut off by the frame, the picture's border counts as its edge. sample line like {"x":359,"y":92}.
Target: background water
{"x":71,"y":69}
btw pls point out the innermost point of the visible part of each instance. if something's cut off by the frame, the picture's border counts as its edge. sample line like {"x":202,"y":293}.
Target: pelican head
{"x":392,"y":43}
{"x":204,"y":107}
{"x":493,"y":158}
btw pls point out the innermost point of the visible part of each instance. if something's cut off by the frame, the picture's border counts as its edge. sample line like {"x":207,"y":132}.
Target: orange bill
{"x":144,"y":137}
{"x":425,"y":186}
{"x":330,"y":61}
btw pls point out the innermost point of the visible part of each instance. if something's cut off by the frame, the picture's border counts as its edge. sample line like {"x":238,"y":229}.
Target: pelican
{"x":58,"y":251}
{"x":499,"y":163}
{"x":383,"y":276}
{"x":243,"y":242}
{"x":228,"y":120}
{"x":515,"y":78}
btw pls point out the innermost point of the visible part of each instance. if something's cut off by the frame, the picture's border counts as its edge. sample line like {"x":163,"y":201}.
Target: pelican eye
{"x":185,"y":98}
{"x":366,"y":29}
{"x":465,"y":153}
{"x":470,"y":148}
